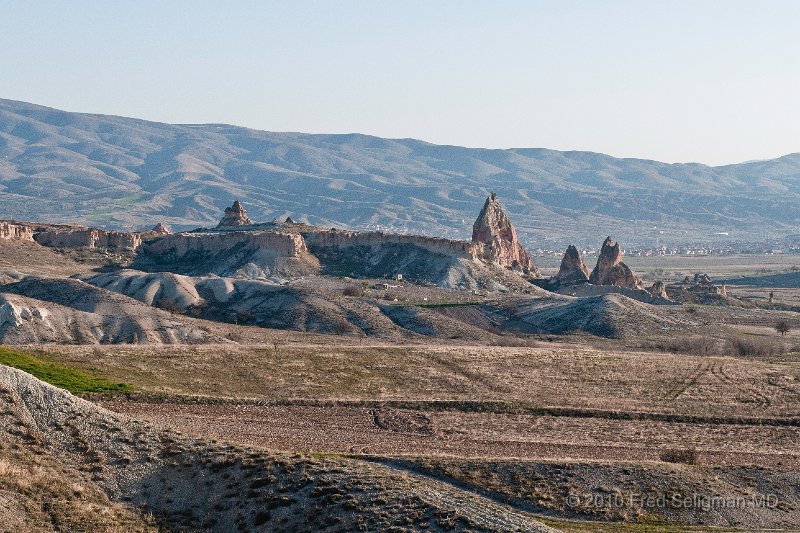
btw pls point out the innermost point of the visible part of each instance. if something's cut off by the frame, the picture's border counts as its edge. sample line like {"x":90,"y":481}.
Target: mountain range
{"x":116,"y":172}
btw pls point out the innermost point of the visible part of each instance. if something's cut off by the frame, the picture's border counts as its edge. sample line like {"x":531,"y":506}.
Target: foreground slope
{"x":106,"y":170}
{"x":188,"y":484}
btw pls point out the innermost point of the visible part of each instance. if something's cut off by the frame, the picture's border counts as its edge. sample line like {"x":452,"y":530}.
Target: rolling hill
{"x":116,"y":172}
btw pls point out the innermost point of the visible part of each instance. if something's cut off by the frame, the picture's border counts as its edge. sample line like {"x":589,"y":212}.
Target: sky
{"x":714,"y":82}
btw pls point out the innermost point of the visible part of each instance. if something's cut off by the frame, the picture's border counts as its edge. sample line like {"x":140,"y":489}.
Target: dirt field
{"x":675,"y":268}
{"x":383,"y":430}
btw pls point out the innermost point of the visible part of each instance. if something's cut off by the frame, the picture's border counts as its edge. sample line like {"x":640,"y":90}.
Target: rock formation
{"x":77,"y":237}
{"x":161,"y":229}
{"x":702,"y":279}
{"x":494,"y":230}
{"x":10,"y":230}
{"x":235,"y":216}
{"x":658,"y":290}
{"x":610,"y":270}
{"x":573,"y":269}
{"x":255,"y":254}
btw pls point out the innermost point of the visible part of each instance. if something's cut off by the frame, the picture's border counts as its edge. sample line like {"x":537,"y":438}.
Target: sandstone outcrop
{"x":573,"y":269}
{"x":610,"y":270}
{"x":494,"y":230}
{"x":235,"y":216}
{"x":12,"y":231}
{"x":702,"y":279}
{"x":76,"y":237}
{"x":658,"y":290}
{"x":338,"y":239}
{"x":255,"y":254}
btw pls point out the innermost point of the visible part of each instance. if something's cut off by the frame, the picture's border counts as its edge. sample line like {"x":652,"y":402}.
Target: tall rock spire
{"x":573,"y":269}
{"x":610,"y":270}
{"x":494,"y":230}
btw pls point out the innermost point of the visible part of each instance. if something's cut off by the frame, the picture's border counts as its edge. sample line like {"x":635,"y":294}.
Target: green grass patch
{"x":71,"y":379}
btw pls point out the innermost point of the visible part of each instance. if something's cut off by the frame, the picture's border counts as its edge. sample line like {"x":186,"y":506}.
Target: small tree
{"x":783,"y":328}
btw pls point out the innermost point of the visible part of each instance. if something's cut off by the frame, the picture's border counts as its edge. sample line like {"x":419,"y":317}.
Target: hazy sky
{"x":714,"y":82}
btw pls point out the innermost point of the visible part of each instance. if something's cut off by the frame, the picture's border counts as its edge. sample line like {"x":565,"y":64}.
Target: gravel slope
{"x":194,"y":485}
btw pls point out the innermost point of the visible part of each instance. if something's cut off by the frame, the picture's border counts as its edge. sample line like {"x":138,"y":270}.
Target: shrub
{"x":687,"y":345}
{"x":510,"y":306}
{"x":353,"y":290}
{"x":341,"y":327}
{"x":684,"y":456}
{"x":748,"y":347}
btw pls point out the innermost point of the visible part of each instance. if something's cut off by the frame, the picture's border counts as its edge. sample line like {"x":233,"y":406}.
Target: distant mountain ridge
{"x":117,"y":172}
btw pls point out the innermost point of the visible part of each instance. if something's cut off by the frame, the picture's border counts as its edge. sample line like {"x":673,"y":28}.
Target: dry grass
{"x":561,"y":376}
{"x":42,"y":494}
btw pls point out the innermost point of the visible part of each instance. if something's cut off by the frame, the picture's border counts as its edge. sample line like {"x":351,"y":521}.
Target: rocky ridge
{"x":281,"y":251}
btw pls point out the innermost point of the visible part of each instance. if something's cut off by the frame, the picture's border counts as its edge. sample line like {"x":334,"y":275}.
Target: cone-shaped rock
{"x":495,"y":231}
{"x":573,"y":269}
{"x":610,"y":270}
{"x":161,"y":229}
{"x":235,"y":216}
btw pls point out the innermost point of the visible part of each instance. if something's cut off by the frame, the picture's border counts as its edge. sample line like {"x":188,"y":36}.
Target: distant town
{"x":785,"y":245}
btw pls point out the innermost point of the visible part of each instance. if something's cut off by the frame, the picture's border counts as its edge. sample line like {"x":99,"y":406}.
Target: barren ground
{"x":519,"y":422}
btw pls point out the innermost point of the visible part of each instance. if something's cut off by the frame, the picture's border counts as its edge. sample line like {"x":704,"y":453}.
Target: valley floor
{"x":428,"y":409}
{"x":531,"y":426}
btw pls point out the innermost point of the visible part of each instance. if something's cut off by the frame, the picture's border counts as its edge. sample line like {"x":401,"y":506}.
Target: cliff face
{"x":276,"y":254}
{"x":573,"y":269}
{"x":498,"y":237}
{"x":88,"y":238}
{"x":184,"y":244}
{"x":254,"y":254}
{"x":610,"y":270}
{"x":12,"y":231}
{"x":375,"y":239}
